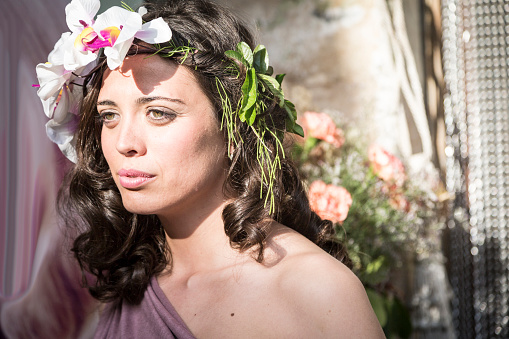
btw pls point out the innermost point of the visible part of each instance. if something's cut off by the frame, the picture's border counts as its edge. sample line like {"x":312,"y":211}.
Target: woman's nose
{"x":130,"y":141}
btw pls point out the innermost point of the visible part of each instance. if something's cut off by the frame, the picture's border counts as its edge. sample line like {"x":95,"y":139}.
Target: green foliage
{"x":291,"y":122}
{"x":228,"y":118}
{"x":248,"y":110}
{"x":126,"y":6}
{"x":259,"y":83}
{"x":258,"y":86}
{"x":172,"y":50}
{"x":261,"y":59}
{"x":391,"y":313}
{"x":378,"y":303}
{"x":399,"y":324}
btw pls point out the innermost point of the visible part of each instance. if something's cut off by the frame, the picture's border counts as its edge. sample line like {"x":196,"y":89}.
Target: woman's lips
{"x":133,"y":179}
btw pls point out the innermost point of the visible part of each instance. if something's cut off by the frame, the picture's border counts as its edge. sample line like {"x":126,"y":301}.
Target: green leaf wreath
{"x":259,"y":85}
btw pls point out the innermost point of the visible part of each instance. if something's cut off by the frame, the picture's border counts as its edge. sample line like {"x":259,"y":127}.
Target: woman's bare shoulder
{"x":322,"y":290}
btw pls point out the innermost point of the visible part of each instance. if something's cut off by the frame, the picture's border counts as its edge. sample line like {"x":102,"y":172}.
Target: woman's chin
{"x":136,"y":206}
{"x":137,"y":210}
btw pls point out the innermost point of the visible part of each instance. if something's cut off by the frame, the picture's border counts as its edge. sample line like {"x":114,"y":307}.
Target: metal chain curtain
{"x":476,"y":66}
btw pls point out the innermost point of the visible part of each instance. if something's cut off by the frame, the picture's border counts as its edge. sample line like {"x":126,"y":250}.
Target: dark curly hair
{"x":124,"y":250}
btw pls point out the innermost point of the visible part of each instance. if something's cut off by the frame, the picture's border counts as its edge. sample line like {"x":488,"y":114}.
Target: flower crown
{"x":113,"y":32}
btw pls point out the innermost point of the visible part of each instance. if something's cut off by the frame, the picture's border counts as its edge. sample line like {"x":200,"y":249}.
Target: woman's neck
{"x":198,"y":242}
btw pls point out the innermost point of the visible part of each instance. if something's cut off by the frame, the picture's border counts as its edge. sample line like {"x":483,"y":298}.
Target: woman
{"x":192,"y":221}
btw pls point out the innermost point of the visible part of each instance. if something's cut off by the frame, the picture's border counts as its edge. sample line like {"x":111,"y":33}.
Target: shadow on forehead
{"x":148,"y":71}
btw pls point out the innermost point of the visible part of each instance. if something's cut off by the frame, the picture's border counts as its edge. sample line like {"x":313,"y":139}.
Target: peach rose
{"x":329,"y":202}
{"x":321,"y":126}
{"x":385,"y":165}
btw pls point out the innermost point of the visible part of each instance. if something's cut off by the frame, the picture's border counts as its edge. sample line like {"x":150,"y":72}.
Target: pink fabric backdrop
{"x":30,"y":173}
{"x":39,"y":282}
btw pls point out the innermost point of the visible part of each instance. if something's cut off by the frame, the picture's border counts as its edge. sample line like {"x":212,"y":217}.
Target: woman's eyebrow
{"x":146,"y":100}
{"x":141,"y":101}
{"x":106,"y":103}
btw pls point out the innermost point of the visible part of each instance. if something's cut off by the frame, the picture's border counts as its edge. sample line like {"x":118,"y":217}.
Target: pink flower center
{"x":89,"y":40}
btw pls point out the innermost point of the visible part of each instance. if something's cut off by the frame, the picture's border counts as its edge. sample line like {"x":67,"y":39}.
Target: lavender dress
{"x":154,"y":317}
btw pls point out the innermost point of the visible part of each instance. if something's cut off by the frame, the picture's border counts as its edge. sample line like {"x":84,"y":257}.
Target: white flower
{"x":52,"y":75}
{"x":80,"y":14}
{"x":119,"y":27}
{"x":56,"y":55}
{"x":62,"y":134}
{"x":54,"y":91}
{"x":65,"y":119}
{"x":51,"y":79}
{"x":154,"y":32}
{"x":79,"y":17}
{"x":56,"y":106}
{"x":114,"y":30}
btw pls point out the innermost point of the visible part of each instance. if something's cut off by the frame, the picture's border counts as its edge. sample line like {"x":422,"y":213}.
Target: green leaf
{"x":274,"y":87}
{"x":237,"y":56}
{"x":246,"y":52}
{"x":242,"y":115}
{"x":270,"y":71}
{"x":259,"y":48}
{"x":249,"y":89}
{"x":260,"y":59}
{"x":291,"y":125}
{"x":378,"y":304}
{"x":290,"y":109}
{"x":280,"y":78}
{"x":297,"y":129}
{"x":250,"y":115}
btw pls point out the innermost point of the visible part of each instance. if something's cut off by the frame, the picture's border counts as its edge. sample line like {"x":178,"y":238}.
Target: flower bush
{"x":380,"y":214}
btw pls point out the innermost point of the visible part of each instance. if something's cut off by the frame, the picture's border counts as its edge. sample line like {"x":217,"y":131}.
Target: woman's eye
{"x":161,"y":116}
{"x":108,"y":118}
{"x":157,"y":114}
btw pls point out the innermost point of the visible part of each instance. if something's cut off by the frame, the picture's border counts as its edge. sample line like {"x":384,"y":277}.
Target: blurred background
{"x":424,"y":80}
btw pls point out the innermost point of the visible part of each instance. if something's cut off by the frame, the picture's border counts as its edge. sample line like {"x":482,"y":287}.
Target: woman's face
{"x":160,"y":138}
